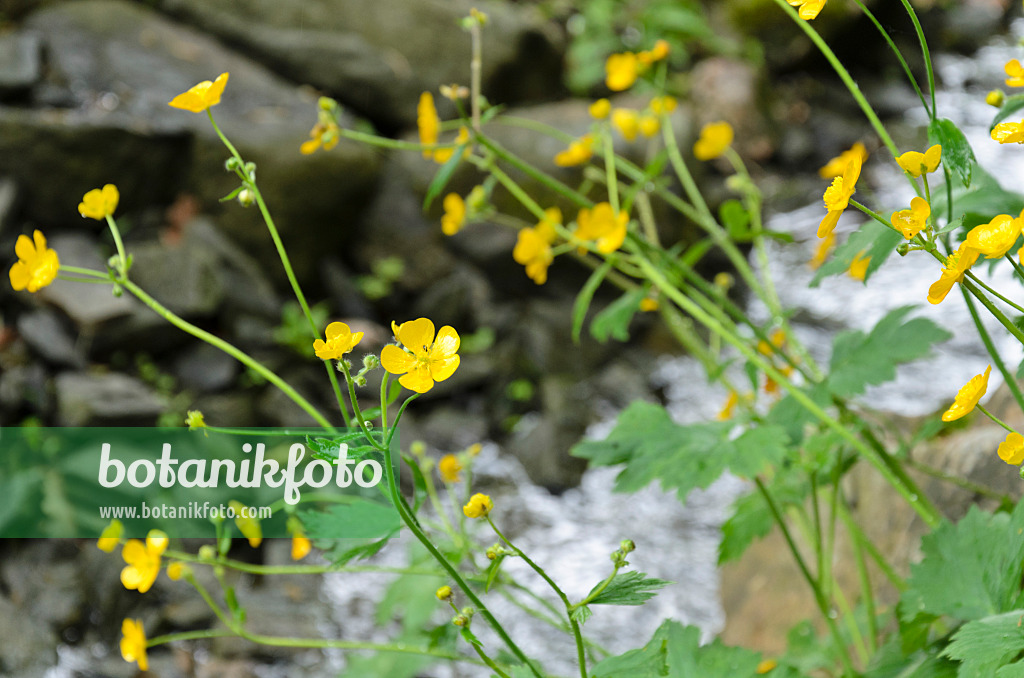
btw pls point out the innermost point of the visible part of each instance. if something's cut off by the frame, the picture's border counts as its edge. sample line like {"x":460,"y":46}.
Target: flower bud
{"x":995,"y":98}
{"x":359,"y":381}
{"x":444,"y":593}
{"x":492,"y":552}
{"x":460,"y":620}
{"x":232,"y":164}
{"x":468,"y":612}
{"x":370,"y":362}
{"x":207,"y":552}
{"x":246,"y":197}
{"x":902,"y":249}
{"x":418,"y":448}
{"x":627,"y":546}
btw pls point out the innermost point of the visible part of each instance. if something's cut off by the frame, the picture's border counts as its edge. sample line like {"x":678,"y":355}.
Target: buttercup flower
{"x":301,"y":546}
{"x":627,"y":121}
{"x":837,"y":196}
{"x":579,"y":152}
{"x":454,"y":216}
{"x":247,"y":525}
{"x":664,"y":104}
{"x":176,"y":570}
{"x":143,"y":561}
{"x":957,"y":264}
{"x":600,"y":109}
{"x":649,"y":125}
{"x":821,"y":253}
{"x":133,"y":643}
{"x":859,"y":267}
{"x":968,"y":396}
{"x":322,"y":134}
{"x":995,"y":238}
{"x":1014,"y":73}
{"x":479,"y":506}
{"x":915,"y":164}
{"x":427,"y":122}
{"x":110,"y":536}
{"x":449,"y":468}
{"x":99,"y":203}
{"x":1011,"y":450}
{"x":603,"y":226}
{"x":649,"y":304}
{"x":194,"y":419}
{"x":340,"y":340}
{"x":36,"y":266}
{"x":714,"y":138}
{"x":657,"y":53}
{"x":837,"y":165}
{"x":443,"y":155}
{"x":1009,"y":132}
{"x":621,"y":71}
{"x":729,"y":408}
{"x":202,"y":96}
{"x":911,"y":222}
{"x":425,"y":359}
{"x":809,"y":9}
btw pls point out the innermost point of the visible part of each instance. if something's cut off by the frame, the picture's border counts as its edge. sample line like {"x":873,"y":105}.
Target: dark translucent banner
{"x":73,"y":482}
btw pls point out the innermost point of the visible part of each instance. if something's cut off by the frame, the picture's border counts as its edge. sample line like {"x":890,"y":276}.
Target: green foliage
{"x":872,"y":239}
{"x":359,"y":519}
{"x":443,"y":176}
{"x":957,"y":155}
{"x":1010,"y":108}
{"x":628,"y":588}
{"x":293,"y":332}
{"x":614,"y":320}
{"x":984,"y":199}
{"x":736,"y":220}
{"x":586,"y":295}
{"x":984,"y":645}
{"x":384,"y":273}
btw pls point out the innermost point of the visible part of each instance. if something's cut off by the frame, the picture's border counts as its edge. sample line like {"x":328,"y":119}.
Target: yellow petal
{"x":940,"y":288}
{"x":418,"y":379}
{"x":828,"y":224}
{"x":396,"y":361}
{"x":417,"y":335}
{"x":444,"y":368}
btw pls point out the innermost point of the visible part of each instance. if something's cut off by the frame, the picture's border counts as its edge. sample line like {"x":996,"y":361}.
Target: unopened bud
{"x":627,"y":546}
{"x":444,"y":593}
{"x":460,"y":620}
{"x":246,"y":197}
{"x":902,"y":249}
{"x":207,"y":552}
{"x":417,"y":448}
{"x":995,"y":98}
{"x":232,"y":164}
{"x":359,"y":381}
{"x":370,"y":362}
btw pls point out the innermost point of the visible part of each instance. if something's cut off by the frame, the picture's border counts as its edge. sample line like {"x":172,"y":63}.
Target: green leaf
{"x":956,"y":151}
{"x":443,"y":176}
{"x":1009,"y":109}
{"x":873,"y":239}
{"x":359,"y":519}
{"x":492,"y":572}
{"x":970,"y":570}
{"x":736,"y":220}
{"x":751,"y":520}
{"x":793,"y":417}
{"x":1014,"y":670}
{"x":586,"y":295}
{"x":614,"y":320}
{"x":985,"y":199}
{"x":628,"y":588}
{"x":860,"y":360}
{"x":470,"y":637}
{"x":984,"y":645}
{"x":581,"y":614}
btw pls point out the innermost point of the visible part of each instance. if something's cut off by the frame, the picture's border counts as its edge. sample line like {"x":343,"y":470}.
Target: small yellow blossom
{"x":133,"y":643}
{"x":648,"y":304}
{"x":825,"y":246}
{"x":443,"y":155}
{"x":36,"y":266}
{"x":143,"y":561}
{"x":579,"y":152}
{"x":649,"y":125}
{"x":600,"y":109}
{"x":766,"y":665}
{"x":778,"y":340}
{"x":627,"y":121}
{"x":714,"y":138}
{"x":621,"y":71}
{"x":837,"y":165}
{"x":194,"y":420}
{"x":533,"y":246}
{"x":915,"y":164}
{"x":110,"y":536}
{"x":99,"y":203}
{"x":444,"y":593}
{"x":248,"y":525}
{"x":427,"y":122}
{"x":454,"y":216}
{"x":479,"y":505}
{"x":968,"y":396}
{"x":957,"y":264}
{"x":340,"y":340}
{"x":449,"y":468}
{"x":995,"y":98}
{"x":324,"y":135}
{"x":176,"y":570}
{"x":1014,"y":73}
{"x":995,"y":238}
{"x":837,"y":196}
{"x":809,"y":9}
{"x":202,"y":96}
{"x":602,"y":225}
{"x":425,"y":359}
{"x":454,"y":92}
{"x":1009,"y":132}
{"x":859,"y":266}
{"x":1011,"y":450}
{"x":657,"y":53}
{"x":729,"y":408}
{"x":301,"y":546}
{"x":474,"y":450}
{"x":665,"y":104}
{"x":910,"y":222}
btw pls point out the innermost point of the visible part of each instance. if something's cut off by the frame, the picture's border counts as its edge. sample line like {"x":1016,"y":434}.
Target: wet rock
{"x":29,"y":644}
{"x":86,"y":304}
{"x":377,"y":57}
{"x":44,"y":331}
{"x":20,"y":64}
{"x":204,"y":368}
{"x":85,"y":399}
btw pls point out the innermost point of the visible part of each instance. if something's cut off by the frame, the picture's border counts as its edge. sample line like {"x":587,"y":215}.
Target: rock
{"x":54,"y":591}
{"x":460,"y":299}
{"x":738,"y":104}
{"x":29,"y":644}
{"x":9,"y":195}
{"x":205,"y":368}
{"x":85,"y":399}
{"x":87,"y":304}
{"x":44,"y":331}
{"x":184,"y":277}
{"x":377,"y":57}
{"x":227,"y":409}
{"x":21,"y":64}
{"x":21,"y":387}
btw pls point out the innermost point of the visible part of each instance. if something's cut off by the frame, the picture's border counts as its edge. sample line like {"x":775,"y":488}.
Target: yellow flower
{"x":859,"y":267}
{"x":176,"y":570}
{"x":603,"y":226}
{"x":1011,"y":450}
{"x":579,"y":152}
{"x":648,"y":304}
{"x":957,"y":264}
{"x":454,"y":92}
{"x":99,"y":203}
{"x":133,"y":643}
{"x":110,"y":536}
{"x":454,"y":214}
{"x":444,"y":593}
{"x":301,"y":546}
{"x":968,"y":396}
{"x":995,"y":98}
{"x":322,"y":134}
{"x":427,"y":122}
{"x":143,"y":561}
{"x":995,"y":238}
{"x":823,"y":250}
{"x":600,"y":109}
{"x":837,"y":165}
{"x":766,"y":665}
{"x":449,"y":468}
{"x":714,"y":138}
{"x":247,"y":525}
{"x":837,"y":196}
{"x":657,"y":53}
{"x":649,"y":125}
{"x":729,"y":408}
{"x":1015,"y":73}
{"x":1009,"y":132}
{"x":425,"y":359}
{"x":194,"y":419}
{"x":36,"y":266}
{"x":340,"y":340}
{"x":666,"y":104}
{"x":915,"y":164}
{"x":474,"y":450}
{"x":627,"y":121}
{"x":479,"y":505}
{"x":910,"y":222}
{"x":621,"y":71}
{"x":202,"y":96}
{"x":443,"y":155}
{"x":808,"y":8}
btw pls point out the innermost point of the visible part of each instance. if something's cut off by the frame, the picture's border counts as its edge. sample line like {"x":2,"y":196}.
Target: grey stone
{"x":227,"y":409}
{"x":29,"y":644}
{"x":184,"y":278}
{"x":9,"y":195}
{"x":21,"y":64}
{"x":46,"y":334}
{"x":459,"y":299}
{"x":23,"y":390}
{"x":85,"y":399}
{"x":205,"y":368}
{"x":87,"y":304}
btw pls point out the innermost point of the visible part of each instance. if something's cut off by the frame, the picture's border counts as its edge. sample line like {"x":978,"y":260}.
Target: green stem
{"x":899,"y":57}
{"x":188,"y":635}
{"x":994,"y":293}
{"x":231,"y":350}
{"x":995,"y":418}
{"x":867,"y":593}
{"x":528,"y":169}
{"x":610,"y":174}
{"x":100,"y":275}
{"x":863,"y":540}
{"x":1006,"y":501}
{"x":925,"y":52}
{"x":1010,"y":379}
{"x":994,"y":310}
{"x":1016,"y":267}
{"x":682,"y":171}
{"x":122,"y":258}
{"x":360,"y":421}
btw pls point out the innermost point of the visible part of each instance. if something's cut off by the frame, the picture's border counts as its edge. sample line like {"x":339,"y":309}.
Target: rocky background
{"x":83,"y":92}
